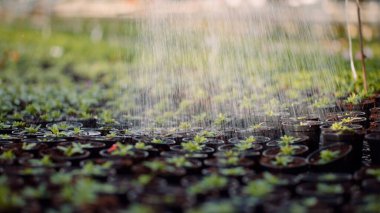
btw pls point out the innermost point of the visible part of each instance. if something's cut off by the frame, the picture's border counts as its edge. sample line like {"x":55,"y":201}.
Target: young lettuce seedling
{"x":327,"y":156}
{"x":71,"y":150}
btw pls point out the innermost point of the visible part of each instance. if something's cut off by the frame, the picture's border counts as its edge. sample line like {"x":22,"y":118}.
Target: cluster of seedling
{"x":100,"y":164}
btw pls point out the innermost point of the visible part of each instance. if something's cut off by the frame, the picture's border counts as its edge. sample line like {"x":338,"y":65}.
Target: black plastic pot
{"x":24,"y":134}
{"x":311,"y":190}
{"x":50,"y":142}
{"x":136,"y":155}
{"x":296,"y":166}
{"x":172,"y":175}
{"x":176,"y":199}
{"x":259,"y":140}
{"x":18,"y":155}
{"x":330,"y":178}
{"x":308,"y":128}
{"x":56,"y":164}
{"x":373,"y":140}
{"x":353,"y":120}
{"x":164,"y":145}
{"x":57,"y":155}
{"x":205,"y":150}
{"x":354,"y":138}
{"x":34,"y":150}
{"x":282,"y":181}
{"x":341,"y":163}
{"x":365,"y":106}
{"x":108,"y":141}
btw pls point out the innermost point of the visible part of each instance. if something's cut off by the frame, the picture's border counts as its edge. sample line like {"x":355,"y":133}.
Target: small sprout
{"x":199,"y":139}
{"x":38,"y":192}
{"x":221,"y":120}
{"x":32,"y":171}
{"x":258,"y":189}
{"x":62,"y":126}
{"x":212,"y":182}
{"x":243,"y":146}
{"x":89,"y":168}
{"x":85,"y":115}
{"x":32,"y":129}
{"x":4,"y":126}
{"x":7,"y":155}
{"x":347,"y":120}
{"x":231,"y":160}
{"x":303,"y":205}
{"x":56,"y":132}
{"x":32,"y":109}
{"x":140,"y":208}
{"x":288,"y":150}
{"x":213,"y":207}
{"x":250,"y":139}
{"x":77,"y":130}
{"x":185,"y":126}
{"x":374,"y":172}
{"x":111,"y":135}
{"x":9,"y":199}
{"x":328,"y":177}
{"x":118,"y":149}
{"x":85,"y":191}
{"x":17,"y":116}
{"x":127,"y":132}
{"x":329,"y":188}
{"x":179,"y":161}
{"x":45,"y":117}
{"x":192,"y":147}
{"x":107,"y":118}
{"x":354,"y":99}
{"x":327,"y":156}
{"x":282,"y":160}
{"x":200,"y":118}
{"x":207,"y":134}
{"x":323,"y":102}
{"x":339,"y":127}
{"x":28,"y":146}
{"x":231,"y":153}
{"x":71,"y":150}
{"x":257,"y":126}
{"x":157,"y":141}
{"x":287,"y":140}
{"x":144,"y":179}
{"x":274,"y":180}
{"x":5,"y":136}
{"x":45,"y":161}
{"x":156,"y":166}
{"x":235,"y":171}
{"x":61,"y":178}
{"x":142,"y":146}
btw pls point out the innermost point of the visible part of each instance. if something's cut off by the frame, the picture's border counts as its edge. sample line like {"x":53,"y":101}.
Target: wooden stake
{"x":364,"y":71}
